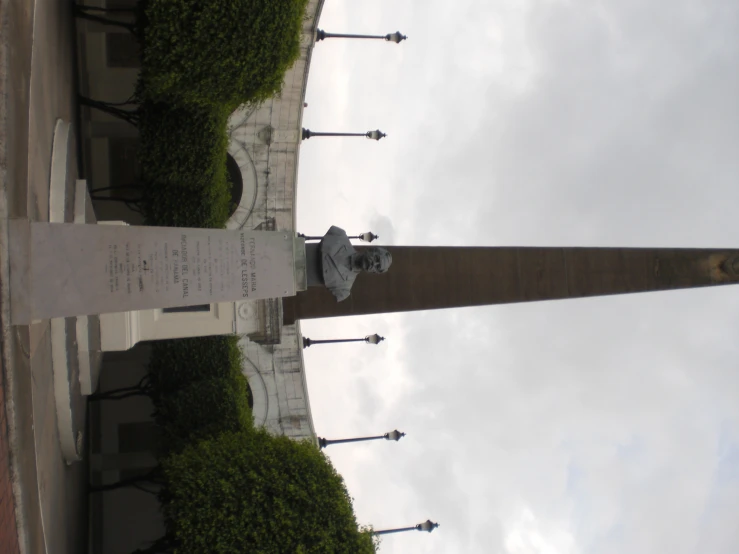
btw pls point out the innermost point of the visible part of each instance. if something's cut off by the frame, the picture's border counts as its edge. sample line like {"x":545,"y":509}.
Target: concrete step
{"x":75,"y":341}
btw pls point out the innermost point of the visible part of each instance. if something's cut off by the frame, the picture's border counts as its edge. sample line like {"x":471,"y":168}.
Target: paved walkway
{"x":8,"y":529}
{"x":43,"y":505}
{"x":15,"y":63}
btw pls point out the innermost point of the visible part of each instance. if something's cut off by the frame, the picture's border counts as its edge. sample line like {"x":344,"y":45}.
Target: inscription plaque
{"x":60,"y":269}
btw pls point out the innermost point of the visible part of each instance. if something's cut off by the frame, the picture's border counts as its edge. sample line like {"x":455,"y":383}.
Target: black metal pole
{"x":390,"y":436}
{"x":427,"y":525}
{"x":358,"y":237}
{"x":388,"y":531}
{"x":396,"y":37}
{"x":323,"y":443}
{"x":321,"y":35}
{"x":307,"y":342}
{"x":307,"y":133}
{"x":375,"y":135}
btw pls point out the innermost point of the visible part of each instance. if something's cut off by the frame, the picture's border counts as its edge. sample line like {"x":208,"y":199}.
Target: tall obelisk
{"x":427,"y":278}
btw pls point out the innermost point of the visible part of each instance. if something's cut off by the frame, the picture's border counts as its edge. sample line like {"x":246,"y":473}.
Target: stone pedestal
{"x":123,"y":330}
{"x":75,"y":341}
{"x":60,"y":269}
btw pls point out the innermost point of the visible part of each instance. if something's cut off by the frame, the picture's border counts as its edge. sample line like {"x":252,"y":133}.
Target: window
{"x":185,"y":309}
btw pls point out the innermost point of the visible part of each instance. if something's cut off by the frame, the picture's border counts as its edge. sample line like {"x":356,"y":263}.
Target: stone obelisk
{"x":426,"y":278}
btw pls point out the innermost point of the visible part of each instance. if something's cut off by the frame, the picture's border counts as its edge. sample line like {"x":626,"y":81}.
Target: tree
{"x":216,"y":52}
{"x":203,"y":409}
{"x":253,"y":492}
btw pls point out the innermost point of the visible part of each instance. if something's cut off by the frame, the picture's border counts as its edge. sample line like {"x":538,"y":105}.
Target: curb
{"x":6,"y":343}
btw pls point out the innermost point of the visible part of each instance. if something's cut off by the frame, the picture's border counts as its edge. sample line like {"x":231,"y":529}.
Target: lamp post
{"x":374,"y":135}
{"x":369,"y":339}
{"x":395,"y":37}
{"x":391,"y":436}
{"x":365,"y":237}
{"x":427,"y":525}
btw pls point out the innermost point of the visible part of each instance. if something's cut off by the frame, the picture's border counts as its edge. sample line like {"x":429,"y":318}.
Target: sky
{"x":606,"y":425}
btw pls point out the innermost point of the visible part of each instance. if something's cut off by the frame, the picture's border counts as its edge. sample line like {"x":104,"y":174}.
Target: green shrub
{"x":183,"y":165}
{"x":178,"y":363}
{"x":203,"y":409}
{"x":253,"y":492}
{"x":218,"y":51}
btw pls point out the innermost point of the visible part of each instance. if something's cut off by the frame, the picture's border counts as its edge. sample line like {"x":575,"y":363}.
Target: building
{"x":263,"y":164}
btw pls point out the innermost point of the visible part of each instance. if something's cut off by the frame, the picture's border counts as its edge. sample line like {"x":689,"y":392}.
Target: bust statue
{"x":341,"y":263}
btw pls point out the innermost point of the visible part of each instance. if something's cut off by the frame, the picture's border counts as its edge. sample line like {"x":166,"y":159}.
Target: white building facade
{"x":264,"y":148}
{"x":263,"y":155}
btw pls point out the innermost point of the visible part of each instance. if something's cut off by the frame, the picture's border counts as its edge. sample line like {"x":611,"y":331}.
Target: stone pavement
{"x":15,"y":62}
{"x":43,"y":504}
{"x":8,"y":529}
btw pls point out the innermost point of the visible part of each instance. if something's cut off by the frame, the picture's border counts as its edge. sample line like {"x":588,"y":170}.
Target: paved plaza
{"x":43,"y":503}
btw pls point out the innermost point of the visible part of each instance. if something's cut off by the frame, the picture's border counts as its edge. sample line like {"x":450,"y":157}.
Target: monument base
{"x":75,"y":341}
{"x":64,"y":269}
{"x":121,"y":331}
{"x":76,"y":354}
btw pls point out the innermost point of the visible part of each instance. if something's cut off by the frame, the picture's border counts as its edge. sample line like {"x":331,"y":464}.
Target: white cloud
{"x":593,"y":426}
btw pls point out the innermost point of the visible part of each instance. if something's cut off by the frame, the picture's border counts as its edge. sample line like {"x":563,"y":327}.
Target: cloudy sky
{"x":591,"y":426}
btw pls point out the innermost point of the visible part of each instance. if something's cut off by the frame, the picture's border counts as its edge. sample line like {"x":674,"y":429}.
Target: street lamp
{"x":374,"y":135}
{"x":365,"y":237}
{"x":427,"y":525}
{"x":395,"y":37}
{"x":368,"y":237}
{"x":369,"y":339}
{"x":391,"y":436}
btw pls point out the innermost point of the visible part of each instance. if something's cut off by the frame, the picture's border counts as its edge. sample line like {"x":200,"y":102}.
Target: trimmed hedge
{"x":198,"y":389}
{"x":202,"y":410}
{"x":216,"y":52}
{"x":253,"y":492}
{"x":177,"y":364}
{"x":183,"y":165}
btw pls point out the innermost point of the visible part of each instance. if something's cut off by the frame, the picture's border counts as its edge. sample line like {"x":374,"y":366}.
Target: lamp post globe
{"x":374,"y":339}
{"x":394,"y":435}
{"x":427,"y":525}
{"x":395,"y":37}
{"x":375,"y":135}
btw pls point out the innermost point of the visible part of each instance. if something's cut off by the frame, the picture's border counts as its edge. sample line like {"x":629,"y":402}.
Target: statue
{"x":340,"y":263}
